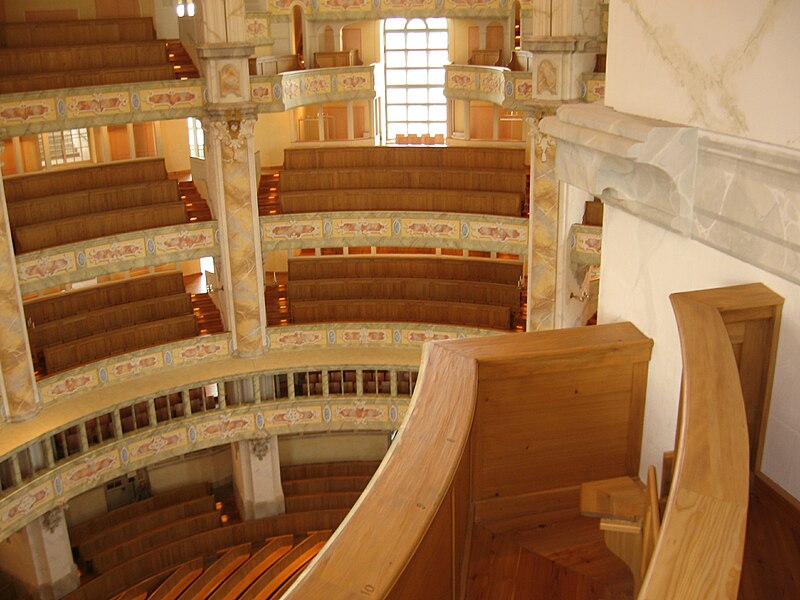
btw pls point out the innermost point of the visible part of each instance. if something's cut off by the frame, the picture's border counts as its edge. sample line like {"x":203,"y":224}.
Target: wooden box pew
{"x":321,"y":501}
{"x":207,"y":543}
{"x":55,"y":59}
{"x":107,"y":319}
{"x":450,"y":313}
{"x":83,"y":31}
{"x":215,"y":575}
{"x":319,"y":485}
{"x":117,"y":173}
{"x":283,"y":570}
{"x":127,"y":339}
{"x":93,"y":298}
{"x":178,"y":580}
{"x":344,"y":58}
{"x":443,"y":268}
{"x":36,"y":236}
{"x":49,"y":208}
{"x":356,"y":468}
{"x":420,"y":178}
{"x":34,"y":82}
{"x":118,"y":554}
{"x":236,"y":584}
{"x":387,"y":156}
{"x":408,"y":289}
{"x":82,"y":531}
{"x":129,"y":529}
{"x":441,"y":200}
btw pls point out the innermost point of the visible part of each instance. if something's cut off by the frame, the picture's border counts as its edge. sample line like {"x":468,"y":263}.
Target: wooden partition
{"x":495,"y":424}
{"x":407,"y":157}
{"x":344,"y":58}
{"x":83,"y":31}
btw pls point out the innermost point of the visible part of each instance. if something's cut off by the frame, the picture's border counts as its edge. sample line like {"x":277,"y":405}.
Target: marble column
{"x":543,"y":233}
{"x":40,"y":557}
{"x":257,"y":478}
{"x":21,"y":396}
{"x":231,"y":168}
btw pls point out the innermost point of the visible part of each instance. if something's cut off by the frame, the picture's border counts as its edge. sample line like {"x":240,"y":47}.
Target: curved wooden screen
{"x":699,"y":550}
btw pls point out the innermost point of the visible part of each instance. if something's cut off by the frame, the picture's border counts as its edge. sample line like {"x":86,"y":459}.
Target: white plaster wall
{"x":725,"y":66}
{"x":642,"y":264}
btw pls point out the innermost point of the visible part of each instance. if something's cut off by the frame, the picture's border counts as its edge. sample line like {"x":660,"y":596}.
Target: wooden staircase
{"x":181,"y":62}
{"x":196,"y":206}
{"x":551,"y":555}
{"x":276,"y":298}
{"x":209,"y":319}
{"x":269,"y":192}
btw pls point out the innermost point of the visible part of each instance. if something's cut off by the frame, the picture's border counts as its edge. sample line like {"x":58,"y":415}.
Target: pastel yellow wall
{"x":310,"y":449}
{"x":86,"y":506}
{"x":214,"y":466}
{"x":175,"y":144}
{"x":272,"y":136}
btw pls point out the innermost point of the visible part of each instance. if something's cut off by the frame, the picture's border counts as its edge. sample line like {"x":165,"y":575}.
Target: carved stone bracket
{"x":739,"y":196}
{"x":260,"y":447}
{"x":232,"y":129}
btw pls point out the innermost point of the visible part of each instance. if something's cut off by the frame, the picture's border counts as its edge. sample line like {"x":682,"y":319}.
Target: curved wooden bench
{"x":178,"y":581}
{"x":61,"y":206}
{"x":318,"y":485}
{"x":320,"y":501}
{"x":83,"y":531}
{"x":130,"y":290}
{"x":259,"y":563}
{"x":283,"y":570}
{"x":217,"y":573}
{"x":83,"y":31}
{"x":383,"y":198}
{"x":419,"y":267}
{"x":118,"y":554}
{"x":126,"y":530}
{"x":450,"y":313}
{"x":408,"y":288}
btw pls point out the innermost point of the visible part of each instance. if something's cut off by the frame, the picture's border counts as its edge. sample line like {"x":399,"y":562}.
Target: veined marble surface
{"x":719,"y":66}
{"x":739,"y":196}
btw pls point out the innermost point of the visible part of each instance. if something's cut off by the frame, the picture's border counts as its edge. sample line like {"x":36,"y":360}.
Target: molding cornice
{"x":738,"y":196}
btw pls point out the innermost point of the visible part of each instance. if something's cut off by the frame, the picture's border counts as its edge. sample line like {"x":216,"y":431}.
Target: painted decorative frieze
{"x":413,"y":229}
{"x":586,"y":243}
{"x":84,"y":260}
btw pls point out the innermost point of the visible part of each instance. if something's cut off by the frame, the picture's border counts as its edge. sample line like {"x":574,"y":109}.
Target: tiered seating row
{"x":62,"y":207}
{"x":426,"y":178}
{"x":80,"y":53}
{"x":383,"y":198}
{"x":405,"y":289}
{"x":372,"y":267}
{"x":66,"y":33}
{"x":385,"y":156}
{"x":110,"y":321}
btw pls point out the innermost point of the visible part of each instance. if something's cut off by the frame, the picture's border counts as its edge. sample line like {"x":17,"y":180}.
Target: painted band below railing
{"x":396,"y":229}
{"x":92,"y":258}
{"x":512,"y":90}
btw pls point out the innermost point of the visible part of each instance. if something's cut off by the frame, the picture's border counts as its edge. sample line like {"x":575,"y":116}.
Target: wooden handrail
{"x":699,"y":550}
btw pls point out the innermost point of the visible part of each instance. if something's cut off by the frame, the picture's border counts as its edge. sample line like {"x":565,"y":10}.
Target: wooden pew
{"x":207,"y":543}
{"x":180,"y":579}
{"x":451,"y":313}
{"x":272,"y":65}
{"x":498,"y":159}
{"x":87,"y":78}
{"x":443,"y":268}
{"x":107,"y":319}
{"x":83,"y":31}
{"x":144,"y":589}
{"x":436,"y":200}
{"x":266,"y":585}
{"x":318,"y":485}
{"x":259,"y":562}
{"x":130,"y":290}
{"x":344,"y":58}
{"x":321,"y":501}
{"x":129,"y":529}
{"x":126,"y":339}
{"x":405,"y":289}
{"x":124,"y":551}
{"x":48,"y":208}
{"x":36,"y":236}
{"x":403,"y":177}
{"x":485,"y":57}
{"x":217,"y":573}
{"x":359,"y":468}
{"x":82,"y":531}
{"x":117,"y":173}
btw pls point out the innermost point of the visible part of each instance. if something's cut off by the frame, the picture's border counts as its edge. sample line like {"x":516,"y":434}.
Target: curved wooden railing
{"x":699,"y":550}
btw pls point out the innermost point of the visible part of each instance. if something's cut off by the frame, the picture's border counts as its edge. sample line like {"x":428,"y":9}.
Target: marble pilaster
{"x":543,"y":234}
{"x":257,"y":478}
{"x":229,"y":146}
{"x":21,"y":397}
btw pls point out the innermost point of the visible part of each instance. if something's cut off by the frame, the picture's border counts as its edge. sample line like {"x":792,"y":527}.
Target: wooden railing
{"x":457,"y":456}
{"x":443,"y":470}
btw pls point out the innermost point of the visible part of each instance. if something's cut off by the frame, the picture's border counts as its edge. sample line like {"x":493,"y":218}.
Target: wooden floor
{"x":562,"y":556}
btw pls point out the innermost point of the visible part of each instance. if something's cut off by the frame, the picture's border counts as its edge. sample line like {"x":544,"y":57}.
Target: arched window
{"x":415,"y":55}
